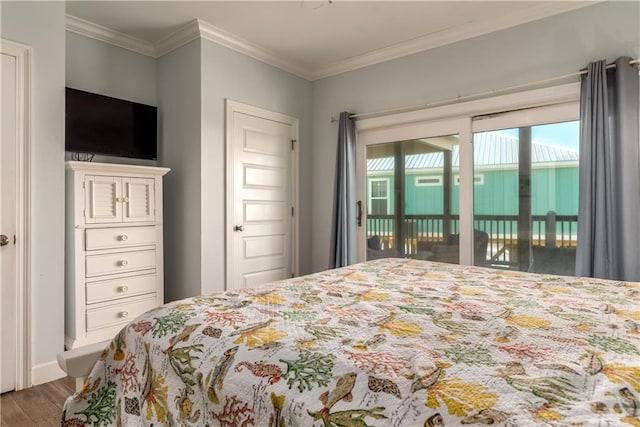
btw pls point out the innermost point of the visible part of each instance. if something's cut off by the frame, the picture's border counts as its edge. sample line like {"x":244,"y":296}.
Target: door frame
{"x":23,"y":55}
{"x":463,"y":118}
{"x":232,"y":107}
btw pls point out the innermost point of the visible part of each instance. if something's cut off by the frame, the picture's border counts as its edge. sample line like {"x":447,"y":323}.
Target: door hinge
{"x":293,"y":144}
{"x":292,"y":211}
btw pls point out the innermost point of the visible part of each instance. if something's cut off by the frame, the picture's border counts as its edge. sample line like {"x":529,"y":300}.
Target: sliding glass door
{"x":412,"y":205}
{"x":526,"y":196}
{"x":411,"y":202}
{"x":497,"y":190}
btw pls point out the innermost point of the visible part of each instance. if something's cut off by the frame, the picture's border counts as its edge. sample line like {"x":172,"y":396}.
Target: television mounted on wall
{"x":98,"y":124}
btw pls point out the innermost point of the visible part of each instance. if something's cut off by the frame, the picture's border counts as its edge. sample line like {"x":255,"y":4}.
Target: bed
{"x":390,"y":342}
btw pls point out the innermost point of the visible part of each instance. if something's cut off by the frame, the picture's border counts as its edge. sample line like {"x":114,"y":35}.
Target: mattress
{"x":390,"y":342}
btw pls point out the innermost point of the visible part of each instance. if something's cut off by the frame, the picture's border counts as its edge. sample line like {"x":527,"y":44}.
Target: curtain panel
{"x":609,"y":182}
{"x":343,"y":229}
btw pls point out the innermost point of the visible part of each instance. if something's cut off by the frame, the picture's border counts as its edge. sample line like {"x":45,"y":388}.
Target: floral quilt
{"x":389,"y":342}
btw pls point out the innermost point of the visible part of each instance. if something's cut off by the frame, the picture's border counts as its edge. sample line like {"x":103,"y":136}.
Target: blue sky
{"x":560,"y":134}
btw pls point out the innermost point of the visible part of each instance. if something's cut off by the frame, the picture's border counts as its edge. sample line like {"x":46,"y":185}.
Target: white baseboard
{"x":46,"y":372}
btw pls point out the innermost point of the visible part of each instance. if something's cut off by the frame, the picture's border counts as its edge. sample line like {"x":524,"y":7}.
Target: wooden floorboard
{"x":55,"y":393}
{"x":12,"y":413}
{"x":36,"y":406}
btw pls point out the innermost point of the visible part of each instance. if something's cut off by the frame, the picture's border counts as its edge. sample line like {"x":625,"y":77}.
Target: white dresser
{"x":114,"y":255}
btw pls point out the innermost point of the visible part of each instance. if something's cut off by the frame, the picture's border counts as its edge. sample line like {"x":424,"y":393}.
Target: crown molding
{"x":107,"y":35}
{"x":224,"y":38}
{"x":449,"y":36}
{"x":183,"y":35}
{"x":200,"y":29}
{"x":191,"y":31}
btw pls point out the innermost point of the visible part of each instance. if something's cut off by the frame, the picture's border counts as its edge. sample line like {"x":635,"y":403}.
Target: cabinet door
{"x":139,"y":199}
{"x":102,"y":199}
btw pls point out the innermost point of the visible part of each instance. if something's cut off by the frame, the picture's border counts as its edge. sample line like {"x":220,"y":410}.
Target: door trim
{"x":238,"y":107}
{"x":23,"y":55}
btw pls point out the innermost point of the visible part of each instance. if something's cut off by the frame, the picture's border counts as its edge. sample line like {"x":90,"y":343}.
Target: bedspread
{"x":389,"y":342}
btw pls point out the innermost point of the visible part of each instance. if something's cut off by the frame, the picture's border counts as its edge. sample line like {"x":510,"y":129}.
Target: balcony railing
{"x":420,"y":232}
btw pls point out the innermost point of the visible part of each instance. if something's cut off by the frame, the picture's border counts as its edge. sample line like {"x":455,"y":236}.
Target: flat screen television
{"x":99,"y":124}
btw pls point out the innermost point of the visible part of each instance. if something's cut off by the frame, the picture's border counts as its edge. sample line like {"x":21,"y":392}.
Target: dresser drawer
{"x":121,"y":237}
{"x":120,"y":313}
{"x":119,"y":288}
{"x":120,"y":262}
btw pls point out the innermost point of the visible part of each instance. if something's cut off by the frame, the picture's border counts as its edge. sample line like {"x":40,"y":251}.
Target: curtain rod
{"x":476,"y":95}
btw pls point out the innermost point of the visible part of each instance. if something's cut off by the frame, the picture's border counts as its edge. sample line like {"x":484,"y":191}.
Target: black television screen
{"x":99,"y":124}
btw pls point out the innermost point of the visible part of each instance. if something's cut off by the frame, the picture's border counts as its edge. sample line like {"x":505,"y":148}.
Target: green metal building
{"x":554,"y":180}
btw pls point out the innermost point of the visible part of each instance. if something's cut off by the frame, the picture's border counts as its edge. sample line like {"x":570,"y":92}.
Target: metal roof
{"x":490,"y":149}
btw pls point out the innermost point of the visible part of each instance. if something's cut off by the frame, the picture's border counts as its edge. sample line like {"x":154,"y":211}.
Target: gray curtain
{"x":609,"y":198}
{"x":343,"y":230}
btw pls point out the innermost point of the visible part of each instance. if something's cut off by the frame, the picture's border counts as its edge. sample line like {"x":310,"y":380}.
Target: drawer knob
{"x":124,"y":263}
{"x":123,"y":237}
{"x":124,"y":288}
{"x":124,"y":314}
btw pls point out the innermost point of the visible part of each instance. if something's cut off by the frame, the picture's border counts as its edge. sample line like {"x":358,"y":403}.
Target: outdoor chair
{"x":450,"y":250}
{"x":560,"y":261}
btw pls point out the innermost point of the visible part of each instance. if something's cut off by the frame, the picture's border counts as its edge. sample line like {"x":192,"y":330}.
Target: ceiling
{"x":315,"y":39}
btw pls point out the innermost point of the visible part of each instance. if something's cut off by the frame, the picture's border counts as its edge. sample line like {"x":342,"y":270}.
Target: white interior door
{"x":260,"y":199}
{"x":8,"y":282}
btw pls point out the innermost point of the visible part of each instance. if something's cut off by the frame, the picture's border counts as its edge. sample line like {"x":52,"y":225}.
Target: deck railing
{"x":420,"y":232}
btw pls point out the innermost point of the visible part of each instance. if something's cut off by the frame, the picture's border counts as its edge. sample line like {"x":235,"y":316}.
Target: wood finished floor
{"x":36,"y":406}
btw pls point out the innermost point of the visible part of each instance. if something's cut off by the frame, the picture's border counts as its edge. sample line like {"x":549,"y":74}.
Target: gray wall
{"x":41,"y":26}
{"x":227,"y":74}
{"x":180,"y":149}
{"x":99,"y":67}
{"x":538,"y":50}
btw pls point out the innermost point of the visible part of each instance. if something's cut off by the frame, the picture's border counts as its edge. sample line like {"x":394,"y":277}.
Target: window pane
{"x":527,"y":202}
{"x":379,"y":188}
{"x":380,"y":201}
{"x":412,"y":205}
{"x":431,"y":201}
{"x":378,"y":206}
{"x":434,"y":180}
